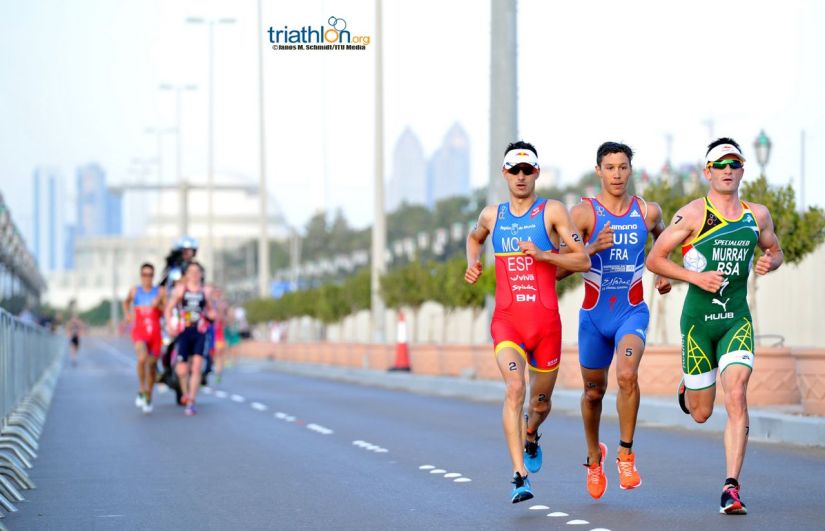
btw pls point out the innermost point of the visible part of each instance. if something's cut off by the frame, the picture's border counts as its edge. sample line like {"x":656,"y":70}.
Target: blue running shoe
{"x":521,"y":488}
{"x":532,"y":455}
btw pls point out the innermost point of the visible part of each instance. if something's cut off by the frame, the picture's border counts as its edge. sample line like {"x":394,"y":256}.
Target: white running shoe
{"x":147,"y":408}
{"x":140,"y":401}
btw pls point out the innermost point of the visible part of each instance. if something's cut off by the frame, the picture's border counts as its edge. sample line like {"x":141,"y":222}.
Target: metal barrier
{"x":30,"y":362}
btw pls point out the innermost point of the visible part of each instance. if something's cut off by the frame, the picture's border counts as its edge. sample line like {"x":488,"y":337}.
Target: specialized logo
{"x":537,"y":210}
{"x":333,"y":36}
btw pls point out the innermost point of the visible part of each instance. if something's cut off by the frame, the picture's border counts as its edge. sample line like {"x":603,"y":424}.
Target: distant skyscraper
{"x":408,"y":181}
{"x":448,"y":172}
{"x":99,"y":211}
{"x":48,"y":219}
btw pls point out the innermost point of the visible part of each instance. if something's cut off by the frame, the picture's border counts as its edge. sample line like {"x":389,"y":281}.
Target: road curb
{"x":765,"y":426}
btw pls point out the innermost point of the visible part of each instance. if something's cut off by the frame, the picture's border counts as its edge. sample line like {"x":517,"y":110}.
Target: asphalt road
{"x":270,"y":450}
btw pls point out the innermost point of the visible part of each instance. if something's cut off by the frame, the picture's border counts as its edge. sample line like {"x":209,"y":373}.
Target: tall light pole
{"x":263,"y":238}
{"x":503,"y":92}
{"x":159,"y":132}
{"x":379,"y":226}
{"x":182,"y":185}
{"x":210,"y":236}
{"x":762,"y":147}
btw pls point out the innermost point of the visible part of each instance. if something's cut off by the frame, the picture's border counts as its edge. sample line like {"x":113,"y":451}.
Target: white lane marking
{"x":369,"y":446}
{"x":438,"y":471}
{"x":426,"y":467}
{"x":238,"y":398}
{"x":462,"y":480}
{"x":221,"y":394}
{"x":289,"y":418}
{"x":318,"y":428}
{"x":557,"y":514}
{"x":577,"y":522}
{"x":599,"y":529}
{"x":258,"y":406}
{"x":206,"y":390}
{"x":452,"y":475}
{"x":539,"y":508}
{"x":280,"y":415}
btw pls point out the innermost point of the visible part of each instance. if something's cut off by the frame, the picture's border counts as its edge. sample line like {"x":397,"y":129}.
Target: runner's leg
{"x":735,"y":383}
{"x":195,"y":377}
{"x":595,"y":385}
{"x":142,"y":354}
{"x":628,"y":357}
{"x":512,"y":366}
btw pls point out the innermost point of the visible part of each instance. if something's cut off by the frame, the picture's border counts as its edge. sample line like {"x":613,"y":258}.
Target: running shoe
{"x":628,"y":475}
{"x":521,"y":488}
{"x":596,"y":479}
{"x":731,"y":504}
{"x":190,"y":409}
{"x":140,"y":400}
{"x":147,"y":408}
{"x":681,"y":393}
{"x":532,"y":455}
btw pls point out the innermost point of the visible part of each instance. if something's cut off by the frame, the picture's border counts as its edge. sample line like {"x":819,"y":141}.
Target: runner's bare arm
{"x":679,"y":232}
{"x":127,"y":303}
{"x":475,"y":243}
{"x":656,"y":225}
{"x":556,"y":217}
{"x":177,"y":294}
{"x":768,"y":242}
{"x":582,"y":216}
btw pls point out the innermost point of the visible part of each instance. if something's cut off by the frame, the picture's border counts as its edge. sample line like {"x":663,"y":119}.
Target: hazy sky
{"x":80,"y":80}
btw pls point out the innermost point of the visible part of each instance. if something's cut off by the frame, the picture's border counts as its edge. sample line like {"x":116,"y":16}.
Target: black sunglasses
{"x":524,"y":168}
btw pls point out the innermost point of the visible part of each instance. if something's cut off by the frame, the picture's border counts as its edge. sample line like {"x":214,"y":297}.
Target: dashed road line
{"x":577,"y":522}
{"x":557,"y":514}
{"x":221,"y":394}
{"x":238,"y":398}
{"x":320,"y":429}
{"x":539,"y":507}
{"x":258,"y":406}
{"x":370,"y":447}
{"x":457,"y":477}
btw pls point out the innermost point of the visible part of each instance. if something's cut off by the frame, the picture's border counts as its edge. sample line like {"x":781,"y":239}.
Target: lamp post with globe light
{"x":762,"y":147}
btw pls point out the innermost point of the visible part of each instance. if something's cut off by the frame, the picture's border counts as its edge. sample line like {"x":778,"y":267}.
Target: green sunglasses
{"x":720,"y":164}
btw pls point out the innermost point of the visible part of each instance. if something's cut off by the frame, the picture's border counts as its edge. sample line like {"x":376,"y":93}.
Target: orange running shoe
{"x":596,"y":480}
{"x":628,"y":475}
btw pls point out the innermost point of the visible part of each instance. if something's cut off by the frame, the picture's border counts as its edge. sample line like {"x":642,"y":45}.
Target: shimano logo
{"x":624,"y":227}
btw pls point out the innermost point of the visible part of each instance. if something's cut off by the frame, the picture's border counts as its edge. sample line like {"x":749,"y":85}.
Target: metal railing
{"x":30,"y":361}
{"x":26,"y":351}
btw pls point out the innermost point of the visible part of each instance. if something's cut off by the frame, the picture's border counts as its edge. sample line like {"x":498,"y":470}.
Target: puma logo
{"x":722,"y":304}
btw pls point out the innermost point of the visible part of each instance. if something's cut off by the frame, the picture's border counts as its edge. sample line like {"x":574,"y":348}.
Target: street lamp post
{"x":210,"y":237}
{"x":762,"y":147}
{"x":182,"y":185}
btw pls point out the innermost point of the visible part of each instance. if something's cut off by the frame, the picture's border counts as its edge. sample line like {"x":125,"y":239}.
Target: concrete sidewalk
{"x":766,"y":424}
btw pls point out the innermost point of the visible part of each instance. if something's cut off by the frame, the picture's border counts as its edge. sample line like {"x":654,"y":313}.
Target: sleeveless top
{"x":614,"y":283}
{"x":523,"y":284}
{"x":727,"y":246}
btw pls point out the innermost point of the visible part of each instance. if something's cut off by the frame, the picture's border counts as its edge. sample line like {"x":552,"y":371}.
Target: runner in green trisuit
{"x":718,"y":234}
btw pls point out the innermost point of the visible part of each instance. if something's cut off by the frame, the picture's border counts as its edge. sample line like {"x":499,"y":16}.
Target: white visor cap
{"x":721,"y":150}
{"x":514,"y":157}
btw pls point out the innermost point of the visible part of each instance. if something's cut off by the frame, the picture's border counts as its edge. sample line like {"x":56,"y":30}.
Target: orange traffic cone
{"x":402,"y":352}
